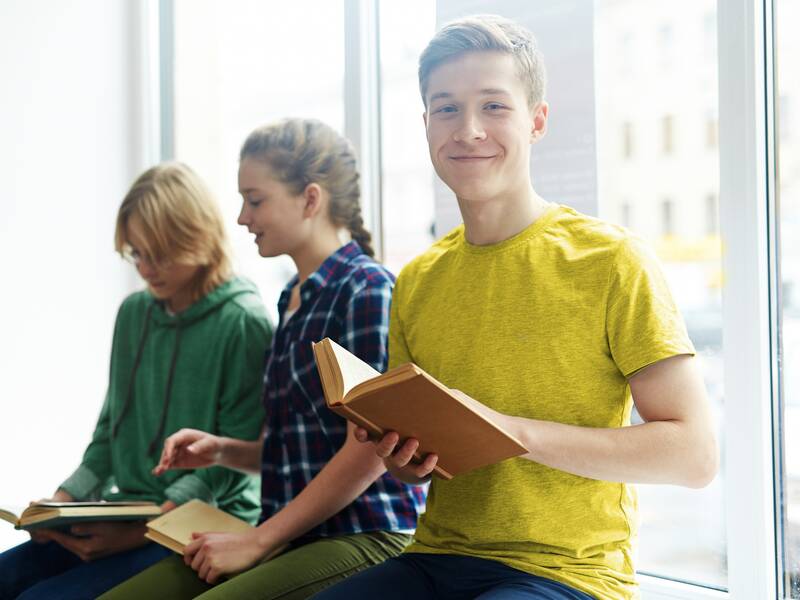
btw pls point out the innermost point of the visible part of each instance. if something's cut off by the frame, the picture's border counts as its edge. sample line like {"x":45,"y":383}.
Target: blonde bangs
{"x":180,"y":222}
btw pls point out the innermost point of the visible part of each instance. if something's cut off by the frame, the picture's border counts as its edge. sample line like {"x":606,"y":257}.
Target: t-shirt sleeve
{"x":643,"y":323}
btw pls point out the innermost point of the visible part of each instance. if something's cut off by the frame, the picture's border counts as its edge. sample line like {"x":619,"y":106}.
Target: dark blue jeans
{"x":37,"y":571}
{"x":450,"y":577}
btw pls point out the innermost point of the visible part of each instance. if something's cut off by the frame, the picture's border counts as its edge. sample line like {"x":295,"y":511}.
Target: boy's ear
{"x":313,"y":200}
{"x":539,"y":121}
{"x":425,"y":119}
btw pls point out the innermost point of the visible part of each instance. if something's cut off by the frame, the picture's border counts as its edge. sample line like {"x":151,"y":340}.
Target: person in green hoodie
{"x":187,"y":352}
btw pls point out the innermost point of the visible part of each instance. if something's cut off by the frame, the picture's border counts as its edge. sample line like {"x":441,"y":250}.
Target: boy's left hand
{"x":90,"y":541}
{"x":213,"y":555}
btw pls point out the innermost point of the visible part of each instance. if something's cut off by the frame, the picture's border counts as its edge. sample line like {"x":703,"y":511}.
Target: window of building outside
{"x":627,"y":140}
{"x":712,"y":215}
{"x":787,"y":92}
{"x":667,"y":209}
{"x":711,"y":133}
{"x":682,"y":533}
{"x":667,"y":134}
{"x":625,"y":213}
{"x":240,"y":64}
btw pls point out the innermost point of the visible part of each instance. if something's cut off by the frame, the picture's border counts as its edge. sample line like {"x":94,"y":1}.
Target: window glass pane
{"x":240,"y":64}
{"x":665,"y":90}
{"x":405,"y":29}
{"x":787,"y":95}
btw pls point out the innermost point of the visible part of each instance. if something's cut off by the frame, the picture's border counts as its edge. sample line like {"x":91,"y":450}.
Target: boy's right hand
{"x":42,"y":536}
{"x":399,"y":459}
{"x":189,"y":449}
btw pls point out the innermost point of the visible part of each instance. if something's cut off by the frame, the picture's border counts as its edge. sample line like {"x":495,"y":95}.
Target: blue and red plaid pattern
{"x":347,"y":299}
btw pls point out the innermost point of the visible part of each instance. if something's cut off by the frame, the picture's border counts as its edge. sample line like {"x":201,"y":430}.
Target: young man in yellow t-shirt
{"x":557,"y":323}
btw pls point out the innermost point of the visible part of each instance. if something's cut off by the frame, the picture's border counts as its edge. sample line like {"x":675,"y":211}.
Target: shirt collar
{"x":330,"y":270}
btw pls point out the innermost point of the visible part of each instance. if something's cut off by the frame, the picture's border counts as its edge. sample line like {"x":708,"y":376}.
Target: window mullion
{"x":745,"y":205}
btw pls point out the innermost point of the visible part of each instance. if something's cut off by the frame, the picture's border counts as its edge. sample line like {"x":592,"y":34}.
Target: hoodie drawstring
{"x":137,"y":360}
{"x":168,"y":393}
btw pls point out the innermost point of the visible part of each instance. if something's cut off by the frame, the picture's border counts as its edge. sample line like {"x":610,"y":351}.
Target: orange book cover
{"x":415,"y":405}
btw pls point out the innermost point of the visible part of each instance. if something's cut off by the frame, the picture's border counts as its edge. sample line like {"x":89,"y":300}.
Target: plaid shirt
{"x":346,"y":299}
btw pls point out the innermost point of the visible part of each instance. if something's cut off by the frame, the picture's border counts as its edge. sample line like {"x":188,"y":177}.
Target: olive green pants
{"x":298,"y":573}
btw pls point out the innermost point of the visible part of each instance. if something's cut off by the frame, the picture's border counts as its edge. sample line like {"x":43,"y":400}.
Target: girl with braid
{"x":325,"y":498}
{"x":186,"y":352}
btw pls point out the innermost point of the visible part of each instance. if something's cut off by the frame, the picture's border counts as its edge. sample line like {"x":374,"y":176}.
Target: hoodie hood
{"x":208,"y":303}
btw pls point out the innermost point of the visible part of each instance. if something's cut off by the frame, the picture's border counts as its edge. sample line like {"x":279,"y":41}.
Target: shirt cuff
{"x":188,"y":488}
{"x":82,"y":484}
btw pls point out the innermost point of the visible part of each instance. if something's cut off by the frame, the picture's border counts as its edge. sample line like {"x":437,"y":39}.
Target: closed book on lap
{"x":58,"y":514}
{"x":174,"y":529}
{"x":415,"y":405}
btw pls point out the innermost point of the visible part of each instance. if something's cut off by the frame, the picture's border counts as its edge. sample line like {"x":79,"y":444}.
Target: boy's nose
{"x":470,"y":129}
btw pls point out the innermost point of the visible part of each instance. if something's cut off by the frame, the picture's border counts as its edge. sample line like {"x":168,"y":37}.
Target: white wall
{"x":70,"y":144}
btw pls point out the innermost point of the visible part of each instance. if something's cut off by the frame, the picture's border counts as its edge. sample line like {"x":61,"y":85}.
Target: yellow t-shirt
{"x":546,"y":325}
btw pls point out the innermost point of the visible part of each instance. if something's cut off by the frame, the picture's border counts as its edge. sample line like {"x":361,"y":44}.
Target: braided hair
{"x":304,"y":151}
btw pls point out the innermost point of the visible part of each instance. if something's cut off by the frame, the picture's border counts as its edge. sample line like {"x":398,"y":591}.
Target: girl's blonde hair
{"x":180,"y":223}
{"x":304,"y":151}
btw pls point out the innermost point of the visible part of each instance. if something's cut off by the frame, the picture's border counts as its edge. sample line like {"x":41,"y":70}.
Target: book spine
{"x":375,"y":432}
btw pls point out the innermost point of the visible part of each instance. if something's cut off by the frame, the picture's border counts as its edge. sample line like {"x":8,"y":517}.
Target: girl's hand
{"x":189,"y":449}
{"x":213,"y":555}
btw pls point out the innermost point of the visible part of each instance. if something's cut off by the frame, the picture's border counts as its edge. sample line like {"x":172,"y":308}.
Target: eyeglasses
{"x":137,"y":258}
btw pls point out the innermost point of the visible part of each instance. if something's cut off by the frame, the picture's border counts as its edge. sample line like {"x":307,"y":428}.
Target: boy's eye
{"x":448,"y":108}
{"x":254,"y":201}
{"x":494,"y":106}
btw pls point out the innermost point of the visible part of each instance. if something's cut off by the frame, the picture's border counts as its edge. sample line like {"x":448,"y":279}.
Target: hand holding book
{"x":400,"y":459}
{"x":93,"y":540}
{"x":428,"y":417}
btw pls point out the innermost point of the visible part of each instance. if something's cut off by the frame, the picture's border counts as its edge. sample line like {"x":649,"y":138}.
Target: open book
{"x":415,"y":405}
{"x":56,"y":514}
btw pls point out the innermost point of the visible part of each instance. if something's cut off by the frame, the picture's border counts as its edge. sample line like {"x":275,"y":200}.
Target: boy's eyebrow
{"x":494,"y":91}
{"x":483,"y":92}
{"x":439,"y":95}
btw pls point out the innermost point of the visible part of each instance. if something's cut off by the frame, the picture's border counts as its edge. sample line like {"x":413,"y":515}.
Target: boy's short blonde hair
{"x":481,"y":33}
{"x":180,"y":223}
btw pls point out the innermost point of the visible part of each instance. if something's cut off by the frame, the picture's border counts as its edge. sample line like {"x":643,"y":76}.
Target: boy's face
{"x":479,"y":126}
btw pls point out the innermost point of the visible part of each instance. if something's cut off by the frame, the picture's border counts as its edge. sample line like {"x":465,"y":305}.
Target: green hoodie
{"x":201,"y":369}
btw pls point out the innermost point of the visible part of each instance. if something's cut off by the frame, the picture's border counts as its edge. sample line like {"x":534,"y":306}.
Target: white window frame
{"x":362,"y":107}
{"x":747,"y":209}
{"x":747,"y":227}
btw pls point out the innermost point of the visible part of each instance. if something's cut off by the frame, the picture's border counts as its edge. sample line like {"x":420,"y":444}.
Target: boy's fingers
{"x":427,"y":466}
{"x":405,"y":454}
{"x":386,"y":446}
